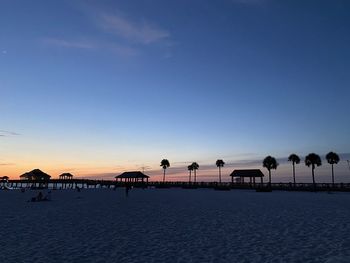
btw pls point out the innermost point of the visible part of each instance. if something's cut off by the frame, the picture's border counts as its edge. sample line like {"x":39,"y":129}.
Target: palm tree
{"x":220,"y":163}
{"x":195,"y":167}
{"x":165,"y":164}
{"x":270,"y":163}
{"x":332,"y":158}
{"x":313,"y":160}
{"x":190,"y":169}
{"x":295,"y":160}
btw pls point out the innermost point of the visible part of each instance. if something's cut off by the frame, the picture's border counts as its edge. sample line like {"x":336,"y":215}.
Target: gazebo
{"x":132,"y":177}
{"x":4,"y":179}
{"x":66,"y":176}
{"x":247,"y":173}
{"x":35,"y":175}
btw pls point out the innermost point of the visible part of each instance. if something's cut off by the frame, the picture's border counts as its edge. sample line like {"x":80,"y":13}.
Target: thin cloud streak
{"x":120,"y":50}
{"x":6,"y":164}
{"x":68,"y":43}
{"x":129,"y":35}
{"x":144,"y":33}
{"x":4,"y":133}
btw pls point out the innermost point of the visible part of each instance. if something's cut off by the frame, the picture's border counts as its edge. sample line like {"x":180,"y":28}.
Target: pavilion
{"x":4,"y":179}
{"x":132,"y":177}
{"x":66,"y":176}
{"x":247,"y":173}
{"x":35,"y":175}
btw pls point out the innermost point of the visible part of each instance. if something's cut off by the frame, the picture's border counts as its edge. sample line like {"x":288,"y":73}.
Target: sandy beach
{"x":175,"y":225}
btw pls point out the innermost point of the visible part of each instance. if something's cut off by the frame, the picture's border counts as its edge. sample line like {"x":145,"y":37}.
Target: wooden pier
{"x":91,"y":184}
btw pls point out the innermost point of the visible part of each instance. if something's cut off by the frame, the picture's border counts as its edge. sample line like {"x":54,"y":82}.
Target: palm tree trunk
{"x":333,"y":175}
{"x":189,"y":179}
{"x":294,"y":173}
{"x":163,"y":175}
{"x":220,"y":174}
{"x":313,"y":177}
{"x":195,"y":176}
{"x":270,"y":178}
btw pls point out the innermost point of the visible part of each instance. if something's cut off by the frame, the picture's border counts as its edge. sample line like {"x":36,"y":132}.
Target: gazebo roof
{"x":134,"y":174}
{"x":247,"y":173}
{"x":36,"y":174}
{"x":66,"y":175}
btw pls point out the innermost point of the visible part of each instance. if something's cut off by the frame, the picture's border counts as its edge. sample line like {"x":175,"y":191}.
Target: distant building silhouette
{"x":239,"y":175}
{"x":35,"y":175}
{"x":132,"y":177}
{"x":66,"y":176}
{"x":4,"y":179}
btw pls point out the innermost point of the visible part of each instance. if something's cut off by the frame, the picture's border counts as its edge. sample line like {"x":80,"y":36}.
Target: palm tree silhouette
{"x":195,"y":167}
{"x":295,"y":160}
{"x":270,"y":163}
{"x":220,"y":163}
{"x":165,"y":164}
{"x":190,"y":169}
{"x":332,"y":158}
{"x":313,"y":160}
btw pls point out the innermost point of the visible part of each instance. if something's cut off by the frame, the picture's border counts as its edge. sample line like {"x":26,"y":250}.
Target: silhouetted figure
{"x":127,"y":189}
{"x":39,"y":197}
{"x":78,"y":188}
{"x":47,"y":196}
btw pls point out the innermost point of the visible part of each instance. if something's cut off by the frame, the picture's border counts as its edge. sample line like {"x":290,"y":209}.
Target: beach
{"x":175,"y":225}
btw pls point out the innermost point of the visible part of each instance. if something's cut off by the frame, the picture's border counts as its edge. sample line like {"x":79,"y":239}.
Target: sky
{"x":97,"y":88}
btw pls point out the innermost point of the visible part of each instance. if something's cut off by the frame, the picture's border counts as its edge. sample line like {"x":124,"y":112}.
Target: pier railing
{"x":90,"y":183}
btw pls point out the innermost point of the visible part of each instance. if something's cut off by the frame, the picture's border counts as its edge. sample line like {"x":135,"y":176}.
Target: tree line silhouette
{"x":312,"y":160}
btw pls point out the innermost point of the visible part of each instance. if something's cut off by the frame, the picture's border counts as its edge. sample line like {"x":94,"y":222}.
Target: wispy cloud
{"x":139,"y":32}
{"x":122,"y":49}
{"x":59,"y":42}
{"x":92,"y":45}
{"x":4,"y":133}
{"x":6,"y":164}
{"x":118,"y":33}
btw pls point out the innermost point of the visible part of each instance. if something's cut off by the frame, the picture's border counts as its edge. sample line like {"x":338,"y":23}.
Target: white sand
{"x":175,"y":225}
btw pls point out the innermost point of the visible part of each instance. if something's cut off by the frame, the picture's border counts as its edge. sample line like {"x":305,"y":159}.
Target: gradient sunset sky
{"x":96,"y":88}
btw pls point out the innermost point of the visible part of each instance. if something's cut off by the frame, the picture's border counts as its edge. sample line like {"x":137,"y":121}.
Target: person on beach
{"x":39,"y":197}
{"x":48,"y":196}
{"x":127,"y":188}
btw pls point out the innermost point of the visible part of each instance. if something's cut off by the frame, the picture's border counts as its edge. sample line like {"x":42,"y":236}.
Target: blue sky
{"x":100,"y":87}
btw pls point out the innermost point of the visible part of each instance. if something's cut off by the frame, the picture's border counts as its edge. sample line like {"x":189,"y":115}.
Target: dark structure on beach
{"x":132,"y":177}
{"x":66,"y":176}
{"x":35,"y":175}
{"x":247,"y":173}
{"x":4,"y":179}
